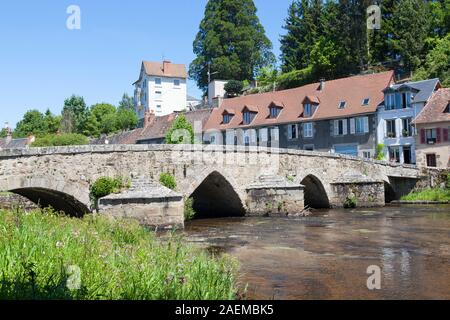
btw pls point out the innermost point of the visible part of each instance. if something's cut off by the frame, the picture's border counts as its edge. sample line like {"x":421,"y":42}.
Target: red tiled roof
{"x":353,"y":90}
{"x":434,"y":109}
{"x":251,"y":108}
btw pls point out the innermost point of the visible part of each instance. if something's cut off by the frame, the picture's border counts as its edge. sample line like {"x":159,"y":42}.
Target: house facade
{"x":161,"y":89}
{"x":337,"y":116}
{"x":433,"y":127}
{"x":402,"y":104}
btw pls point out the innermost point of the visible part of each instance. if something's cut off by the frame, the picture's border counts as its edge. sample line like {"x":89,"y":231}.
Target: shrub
{"x":189,"y":211}
{"x":380,"y":152}
{"x":41,"y":253}
{"x":234,"y":88}
{"x":295,"y":79}
{"x":106,"y":185}
{"x":350,"y":202}
{"x":181,"y":132}
{"x":168,"y":180}
{"x":436,"y":194}
{"x":55,"y":140}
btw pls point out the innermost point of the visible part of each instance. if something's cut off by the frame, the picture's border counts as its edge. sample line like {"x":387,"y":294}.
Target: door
{"x":407,"y":155}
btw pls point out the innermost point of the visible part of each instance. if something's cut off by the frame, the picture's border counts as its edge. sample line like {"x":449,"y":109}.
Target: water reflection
{"x":326,"y":256}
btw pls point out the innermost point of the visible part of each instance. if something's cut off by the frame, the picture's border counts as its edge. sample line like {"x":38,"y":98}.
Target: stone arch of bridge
{"x":315,"y":193}
{"x":48,"y":191}
{"x":215,"y":196}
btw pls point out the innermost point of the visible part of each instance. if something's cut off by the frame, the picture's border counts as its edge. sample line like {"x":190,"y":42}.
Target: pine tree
{"x":232,"y":40}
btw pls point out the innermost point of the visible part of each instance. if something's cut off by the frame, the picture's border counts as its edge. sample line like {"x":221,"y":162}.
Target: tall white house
{"x":402,"y":104}
{"x":160,"y":89}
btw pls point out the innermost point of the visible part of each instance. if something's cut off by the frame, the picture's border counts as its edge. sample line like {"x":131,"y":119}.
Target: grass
{"x":44,"y":255}
{"x":436,"y":194}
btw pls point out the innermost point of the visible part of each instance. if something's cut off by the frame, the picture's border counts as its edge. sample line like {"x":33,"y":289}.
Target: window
{"x":406,"y":100}
{"x":158,"y":81}
{"x":390,"y":101}
{"x":246,"y":138}
{"x":407,"y":155}
{"x":292,"y":131}
{"x":145,"y":84}
{"x":394,"y":154}
{"x":447,"y":109}
{"x":366,"y":102}
{"x":158,"y":94}
{"x":308,"y":130}
{"x":158,"y":106}
{"x":274,"y":112}
{"x":247,"y":117}
{"x":407,"y":129}
{"x":342,"y":104}
{"x":307,"y":110}
{"x":227,"y":118}
{"x":359,"y":125}
{"x":390,"y":129}
{"x":367,"y":154}
{"x":431,"y":160}
{"x":176,"y":83}
{"x":340,"y":127}
{"x":212,"y":139}
{"x":431,"y":135}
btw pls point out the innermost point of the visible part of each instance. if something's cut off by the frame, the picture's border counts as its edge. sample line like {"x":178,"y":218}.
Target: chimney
{"x":149,"y":117}
{"x":322,"y":84}
{"x":166,"y":64}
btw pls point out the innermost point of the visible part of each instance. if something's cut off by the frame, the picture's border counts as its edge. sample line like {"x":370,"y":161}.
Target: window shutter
{"x":438,"y":135}
{"x":313,"y":125}
{"x":366,"y":124}
{"x":253,"y":136}
{"x":422,"y":136}
{"x":336,"y":127}
{"x":263,"y":134}
{"x":289,"y":129}
{"x":230,"y":137}
{"x":352,"y":126}
{"x":344,"y":124}
{"x":445,"y":134}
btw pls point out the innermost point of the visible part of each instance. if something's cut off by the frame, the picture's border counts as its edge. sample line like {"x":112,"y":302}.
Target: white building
{"x":161,"y":89}
{"x":216,"y":92}
{"x":402,"y":104}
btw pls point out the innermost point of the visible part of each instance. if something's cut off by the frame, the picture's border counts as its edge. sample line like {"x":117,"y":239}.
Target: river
{"x":326,"y":255}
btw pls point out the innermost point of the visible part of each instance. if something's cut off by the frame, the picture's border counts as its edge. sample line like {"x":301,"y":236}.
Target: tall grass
{"x":41,"y":251}
{"x":436,"y":194}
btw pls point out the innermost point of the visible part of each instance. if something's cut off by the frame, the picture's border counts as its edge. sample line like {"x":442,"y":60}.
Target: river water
{"x":326,"y":255}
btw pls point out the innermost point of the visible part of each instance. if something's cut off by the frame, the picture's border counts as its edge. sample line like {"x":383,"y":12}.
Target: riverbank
{"x":48,"y":256}
{"x":436,"y":195}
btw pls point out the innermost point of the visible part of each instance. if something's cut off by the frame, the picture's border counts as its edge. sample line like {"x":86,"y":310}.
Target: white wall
{"x":216,"y":89}
{"x":173,"y":98}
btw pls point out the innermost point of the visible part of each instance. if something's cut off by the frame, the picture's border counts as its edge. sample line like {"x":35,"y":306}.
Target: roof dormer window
{"x":307,"y":110}
{"x":342,"y":104}
{"x":365,"y":102}
{"x":274,"y":112}
{"x":227,"y":118}
{"x":248,"y":114}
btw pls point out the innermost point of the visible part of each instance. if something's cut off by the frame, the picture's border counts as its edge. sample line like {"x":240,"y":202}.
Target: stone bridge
{"x":223,"y":180}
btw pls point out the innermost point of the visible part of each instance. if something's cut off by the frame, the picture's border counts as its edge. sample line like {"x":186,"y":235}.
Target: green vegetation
{"x":168,"y":180}
{"x":379,"y":153}
{"x":234,"y":88}
{"x":181,"y":132}
{"x":232,"y":40}
{"x":47,"y":256}
{"x":436,"y":194}
{"x":67,"y":139}
{"x":189,"y":211}
{"x":350,"y":202}
{"x":106,"y":185}
{"x":37,"y":123}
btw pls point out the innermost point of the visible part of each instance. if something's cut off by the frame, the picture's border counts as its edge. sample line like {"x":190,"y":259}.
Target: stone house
{"x":337,"y":116}
{"x":433,"y":126}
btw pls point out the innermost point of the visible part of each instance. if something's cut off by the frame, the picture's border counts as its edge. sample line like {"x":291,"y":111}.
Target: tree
{"x":52,"y":123}
{"x":411,"y":25}
{"x":301,"y":26}
{"x":127,"y":102}
{"x":74,"y":114}
{"x":105,"y":114}
{"x":232,"y":41}
{"x":181,"y":132}
{"x":437,"y":63}
{"x":32,"y":123}
{"x":126,"y":119}
{"x":4,"y":133}
{"x":325,"y":58}
{"x":233,"y":88}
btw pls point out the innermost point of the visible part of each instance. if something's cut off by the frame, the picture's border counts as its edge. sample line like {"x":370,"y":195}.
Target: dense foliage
{"x":232,"y":40}
{"x":106,"y":185}
{"x":56,"y":140}
{"x":46,"y":256}
{"x":181,"y":132}
{"x":436,"y":194}
{"x":233,"y":88}
{"x":37,"y":123}
{"x":168,"y":180}
{"x":189,"y":212}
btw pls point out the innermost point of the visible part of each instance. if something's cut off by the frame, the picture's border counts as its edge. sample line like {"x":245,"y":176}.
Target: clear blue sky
{"x":42,"y":62}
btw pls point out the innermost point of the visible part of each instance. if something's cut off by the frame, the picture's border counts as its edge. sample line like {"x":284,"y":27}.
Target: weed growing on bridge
{"x":47,"y":256}
{"x":168,"y":180}
{"x":105,"y":186}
